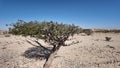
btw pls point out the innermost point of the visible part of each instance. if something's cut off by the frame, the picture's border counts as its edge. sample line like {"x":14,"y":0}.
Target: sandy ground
{"x":91,"y":52}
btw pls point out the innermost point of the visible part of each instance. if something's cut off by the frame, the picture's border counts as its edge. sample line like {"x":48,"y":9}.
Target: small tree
{"x":54,"y":33}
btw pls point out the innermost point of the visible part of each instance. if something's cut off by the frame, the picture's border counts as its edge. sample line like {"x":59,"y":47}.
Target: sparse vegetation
{"x":107,"y":30}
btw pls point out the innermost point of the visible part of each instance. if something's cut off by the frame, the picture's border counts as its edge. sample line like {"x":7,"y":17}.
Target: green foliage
{"x":52,"y":32}
{"x":24,"y":28}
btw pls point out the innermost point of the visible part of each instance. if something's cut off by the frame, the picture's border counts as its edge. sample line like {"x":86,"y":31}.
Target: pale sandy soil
{"x":91,"y":52}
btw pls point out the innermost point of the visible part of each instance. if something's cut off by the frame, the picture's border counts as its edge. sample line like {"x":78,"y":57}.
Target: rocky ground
{"x":90,"y":52}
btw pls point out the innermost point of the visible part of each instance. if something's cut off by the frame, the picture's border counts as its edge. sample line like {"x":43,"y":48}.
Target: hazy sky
{"x":85,"y":13}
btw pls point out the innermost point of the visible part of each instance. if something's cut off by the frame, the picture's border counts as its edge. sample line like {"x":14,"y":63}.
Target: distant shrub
{"x":116,"y":31}
{"x":108,"y":38}
{"x":87,"y":31}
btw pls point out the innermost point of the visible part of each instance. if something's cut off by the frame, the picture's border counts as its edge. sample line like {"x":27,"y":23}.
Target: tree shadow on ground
{"x":37,"y":52}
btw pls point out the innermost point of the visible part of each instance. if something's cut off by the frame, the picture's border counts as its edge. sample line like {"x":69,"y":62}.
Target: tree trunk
{"x":51,"y":58}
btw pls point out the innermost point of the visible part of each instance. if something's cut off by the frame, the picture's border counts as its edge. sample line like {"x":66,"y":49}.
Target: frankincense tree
{"x":52,"y":32}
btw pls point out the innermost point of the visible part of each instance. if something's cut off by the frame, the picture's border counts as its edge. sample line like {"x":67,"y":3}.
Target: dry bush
{"x":88,"y":31}
{"x":107,"y":38}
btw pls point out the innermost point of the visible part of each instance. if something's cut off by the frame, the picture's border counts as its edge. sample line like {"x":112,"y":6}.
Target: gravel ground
{"x":91,"y":52}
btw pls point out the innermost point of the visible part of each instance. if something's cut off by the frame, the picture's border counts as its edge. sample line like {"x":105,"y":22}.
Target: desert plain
{"x":91,"y":51}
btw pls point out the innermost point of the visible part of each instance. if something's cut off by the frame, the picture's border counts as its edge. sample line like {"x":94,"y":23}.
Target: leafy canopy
{"x":52,"y":32}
